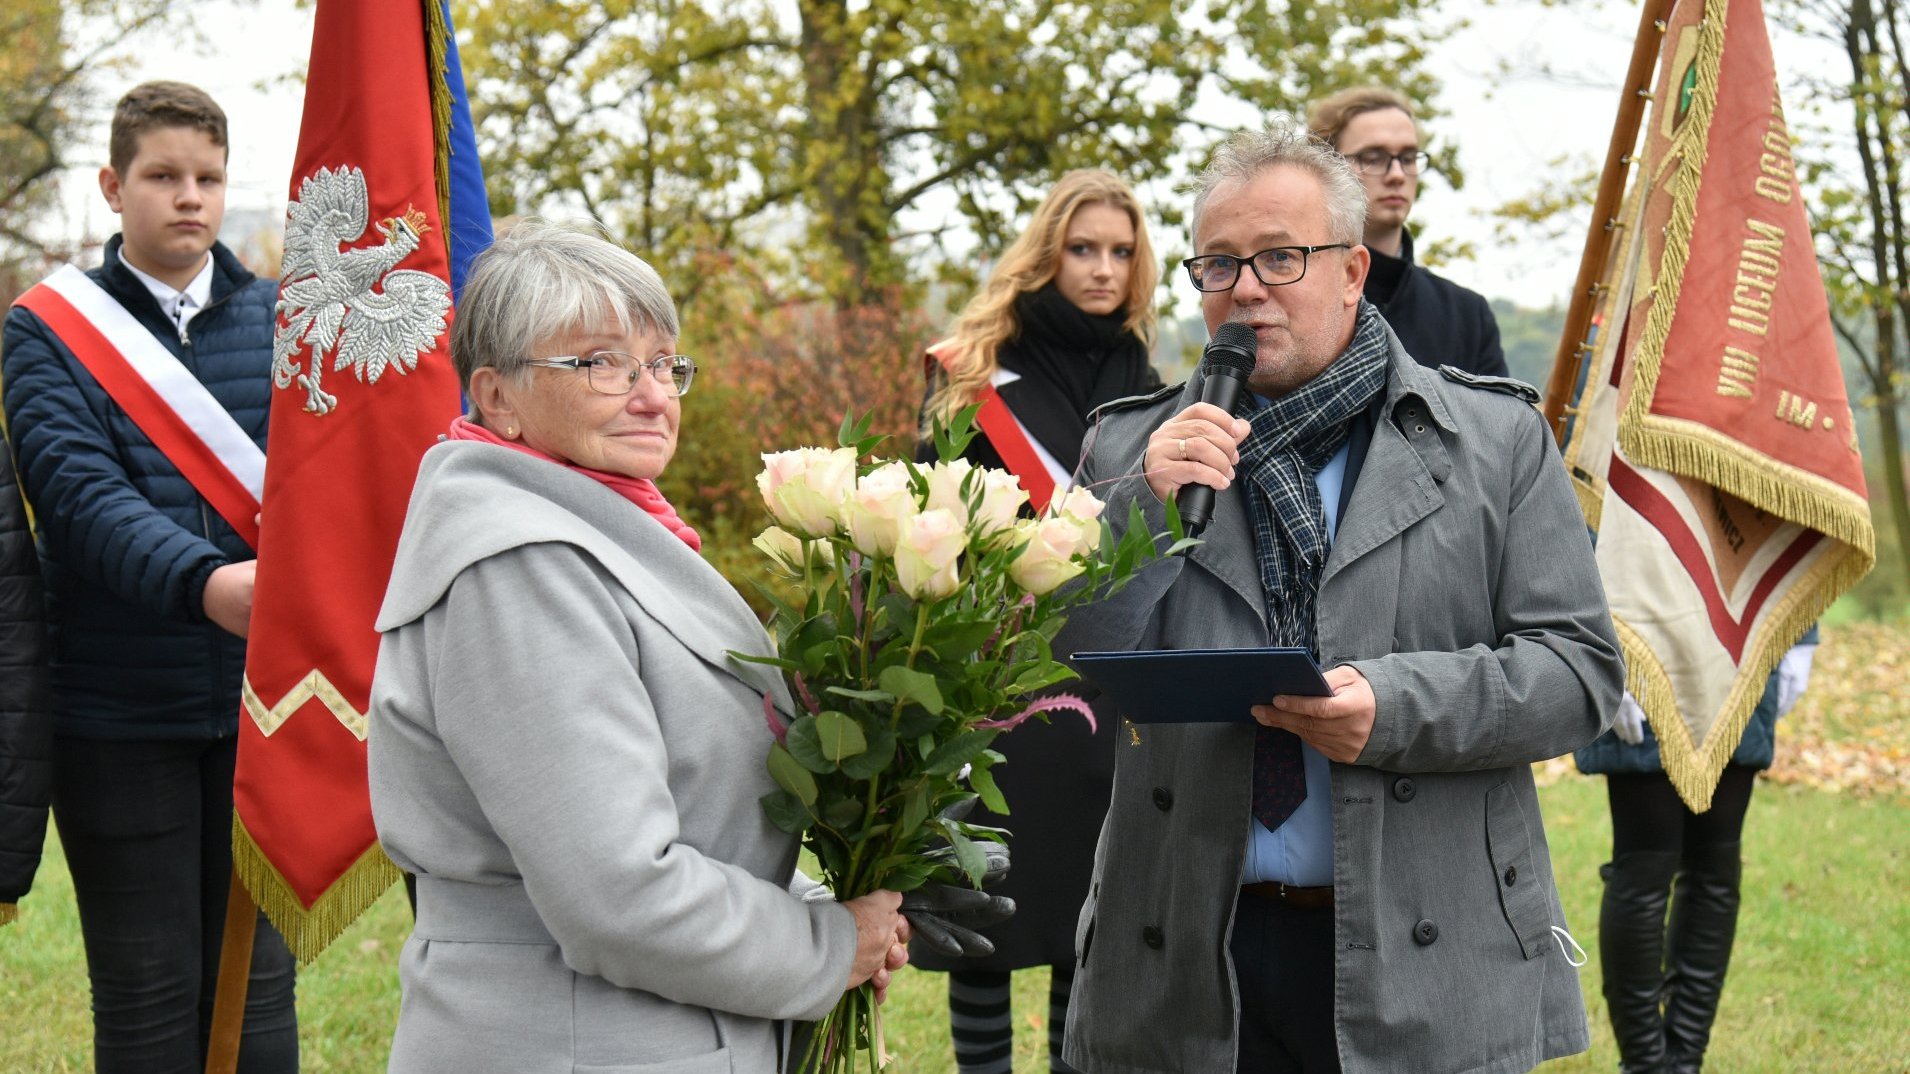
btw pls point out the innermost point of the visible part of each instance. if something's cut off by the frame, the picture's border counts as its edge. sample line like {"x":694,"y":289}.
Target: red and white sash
{"x":1017,"y":449}
{"x":163,"y":398}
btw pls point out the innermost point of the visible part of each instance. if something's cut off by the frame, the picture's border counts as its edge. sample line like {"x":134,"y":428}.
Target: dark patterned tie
{"x":1279,"y":776}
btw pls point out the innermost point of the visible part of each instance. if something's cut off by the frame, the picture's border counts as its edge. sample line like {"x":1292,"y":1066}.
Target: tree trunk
{"x":1889,"y":434}
{"x":845,"y":172}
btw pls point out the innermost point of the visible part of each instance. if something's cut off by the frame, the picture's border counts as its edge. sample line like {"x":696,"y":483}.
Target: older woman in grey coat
{"x":560,"y":748}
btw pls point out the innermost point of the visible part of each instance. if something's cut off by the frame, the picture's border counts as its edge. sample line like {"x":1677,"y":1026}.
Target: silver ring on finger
{"x":1183,"y":449}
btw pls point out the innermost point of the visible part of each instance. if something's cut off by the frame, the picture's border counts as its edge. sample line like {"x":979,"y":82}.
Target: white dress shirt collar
{"x":180,"y":306}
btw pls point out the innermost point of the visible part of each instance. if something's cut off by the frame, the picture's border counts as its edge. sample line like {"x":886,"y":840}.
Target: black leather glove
{"x":945,"y":917}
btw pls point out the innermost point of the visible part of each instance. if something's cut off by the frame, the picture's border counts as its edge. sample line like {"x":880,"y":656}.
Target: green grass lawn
{"x":1820,"y":981}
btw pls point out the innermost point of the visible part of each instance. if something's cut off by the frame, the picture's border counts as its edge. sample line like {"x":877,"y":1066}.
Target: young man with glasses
{"x":1356,"y":883}
{"x":1440,"y":322}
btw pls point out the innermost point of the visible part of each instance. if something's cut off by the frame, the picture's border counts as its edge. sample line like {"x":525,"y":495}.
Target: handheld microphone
{"x":1224,"y":366}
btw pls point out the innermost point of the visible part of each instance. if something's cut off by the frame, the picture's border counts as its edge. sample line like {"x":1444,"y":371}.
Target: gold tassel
{"x":437,"y":61}
{"x":9,"y":913}
{"x":309,"y":931}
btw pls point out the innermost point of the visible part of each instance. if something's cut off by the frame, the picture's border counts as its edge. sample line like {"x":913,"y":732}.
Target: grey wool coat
{"x":1461,"y":585}
{"x":563,"y":754}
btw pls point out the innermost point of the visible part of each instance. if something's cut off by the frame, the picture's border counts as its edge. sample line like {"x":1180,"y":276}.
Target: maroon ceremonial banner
{"x":1711,"y":443}
{"x":363,"y":385}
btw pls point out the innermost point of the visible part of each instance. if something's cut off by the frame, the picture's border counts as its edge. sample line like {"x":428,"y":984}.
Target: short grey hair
{"x":1286,"y":142}
{"x":540,"y":281}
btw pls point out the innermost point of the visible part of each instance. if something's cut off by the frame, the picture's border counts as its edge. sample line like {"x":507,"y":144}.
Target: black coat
{"x":127,"y":543}
{"x":1436,"y":320}
{"x":1057,"y":778}
{"x":26,"y":729}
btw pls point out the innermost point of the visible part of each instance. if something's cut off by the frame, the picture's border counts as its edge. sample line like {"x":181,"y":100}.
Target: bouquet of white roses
{"x":919,"y":629}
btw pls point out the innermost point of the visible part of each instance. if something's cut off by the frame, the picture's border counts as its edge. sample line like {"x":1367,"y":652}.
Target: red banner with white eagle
{"x":363,"y":384}
{"x":1712,"y":444}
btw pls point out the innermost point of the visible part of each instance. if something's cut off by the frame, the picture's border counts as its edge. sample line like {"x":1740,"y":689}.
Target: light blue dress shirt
{"x":1301,"y":851}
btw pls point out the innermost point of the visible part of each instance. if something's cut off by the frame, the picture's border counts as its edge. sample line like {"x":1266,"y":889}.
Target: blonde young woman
{"x":1062,"y":326}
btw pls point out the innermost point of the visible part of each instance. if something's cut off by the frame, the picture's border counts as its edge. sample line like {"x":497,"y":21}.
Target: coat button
{"x":1163,"y":799}
{"x":1152,"y":937}
{"x":1511,"y":875}
{"x":1403,"y":788}
{"x":1425,"y":933}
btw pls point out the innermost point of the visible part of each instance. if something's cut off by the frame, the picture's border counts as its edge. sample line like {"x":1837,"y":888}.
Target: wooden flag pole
{"x":235,"y":976}
{"x":1611,"y":187}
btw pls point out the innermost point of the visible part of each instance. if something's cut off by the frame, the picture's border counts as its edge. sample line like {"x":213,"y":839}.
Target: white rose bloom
{"x":928,"y":554}
{"x":945,"y":488}
{"x":1049,"y":556}
{"x":805,"y":488}
{"x":878,"y":506}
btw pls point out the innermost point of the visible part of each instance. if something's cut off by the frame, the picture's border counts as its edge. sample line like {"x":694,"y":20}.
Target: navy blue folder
{"x":1200,"y":685}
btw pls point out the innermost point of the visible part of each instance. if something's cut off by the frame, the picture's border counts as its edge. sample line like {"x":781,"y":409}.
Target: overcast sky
{"x":1509,"y":128}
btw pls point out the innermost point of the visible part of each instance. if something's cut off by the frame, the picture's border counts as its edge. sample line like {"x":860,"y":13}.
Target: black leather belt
{"x":1287,"y":894}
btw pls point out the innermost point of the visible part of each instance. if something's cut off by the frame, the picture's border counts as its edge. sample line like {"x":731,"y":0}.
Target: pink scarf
{"x":640,"y":491}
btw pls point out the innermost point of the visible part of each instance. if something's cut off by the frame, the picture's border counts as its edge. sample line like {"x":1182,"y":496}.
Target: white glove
{"x":1794,"y":676}
{"x":1630,"y":724}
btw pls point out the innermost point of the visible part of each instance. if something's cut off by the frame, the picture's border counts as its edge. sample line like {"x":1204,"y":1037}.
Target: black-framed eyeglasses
{"x":1379,"y":161}
{"x":1273,"y":268}
{"x":616,"y":373}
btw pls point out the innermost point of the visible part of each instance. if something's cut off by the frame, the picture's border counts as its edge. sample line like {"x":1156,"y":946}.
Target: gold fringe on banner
{"x":1693,"y":450}
{"x":437,"y":63}
{"x":309,"y":931}
{"x":9,"y":913}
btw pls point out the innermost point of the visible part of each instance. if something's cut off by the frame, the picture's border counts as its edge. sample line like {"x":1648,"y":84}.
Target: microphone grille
{"x":1233,"y":347}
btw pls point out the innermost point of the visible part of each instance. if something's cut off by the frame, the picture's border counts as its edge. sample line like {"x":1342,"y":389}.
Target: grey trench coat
{"x":1461,"y":584}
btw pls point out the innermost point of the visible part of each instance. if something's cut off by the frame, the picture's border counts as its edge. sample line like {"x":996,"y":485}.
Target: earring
{"x":510,"y":432}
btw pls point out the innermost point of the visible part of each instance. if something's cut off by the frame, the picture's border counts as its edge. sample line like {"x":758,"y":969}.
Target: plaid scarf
{"x":1292,"y":438}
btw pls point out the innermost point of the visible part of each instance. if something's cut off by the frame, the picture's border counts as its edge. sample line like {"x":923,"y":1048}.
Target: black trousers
{"x":1283,"y":961}
{"x":147,"y":830}
{"x":1647,"y":813}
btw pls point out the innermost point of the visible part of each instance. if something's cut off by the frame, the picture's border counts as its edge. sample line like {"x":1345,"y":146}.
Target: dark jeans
{"x":147,"y":829}
{"x":1283,"y":961}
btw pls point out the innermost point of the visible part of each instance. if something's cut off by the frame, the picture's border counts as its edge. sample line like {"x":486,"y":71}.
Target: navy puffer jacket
{"x":26,"y":733}
{"x":126,"y":542}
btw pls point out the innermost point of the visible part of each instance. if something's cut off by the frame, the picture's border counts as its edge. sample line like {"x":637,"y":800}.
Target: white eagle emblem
{"x":351,"y":304}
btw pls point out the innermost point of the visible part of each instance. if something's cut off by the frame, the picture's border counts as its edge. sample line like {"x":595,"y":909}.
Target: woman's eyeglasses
{"x":616,"y":373}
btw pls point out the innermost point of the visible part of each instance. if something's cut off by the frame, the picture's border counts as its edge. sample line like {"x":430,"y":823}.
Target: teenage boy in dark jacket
{"x":1436,"y":320}
{"x":150,"y":590}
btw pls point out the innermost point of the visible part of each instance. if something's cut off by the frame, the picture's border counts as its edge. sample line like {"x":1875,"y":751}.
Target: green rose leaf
{"x":958,"y":639}
{"x":957,"y":751}
{"x":875,"y":696}
{"x":791,"y":776}
{"x":839,"y":736}
{"x":805,"y":745}
{"x":875,"y":759}
{"x":908,"y":684}
{"x":842,"y":812}
{"x":984,"y":783}
{"x":915,"y":810}
{"x":1040,"y":677}
{"x":973,"y":862}
{"x":916,"y":723}
{"x":785,"y":811}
